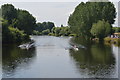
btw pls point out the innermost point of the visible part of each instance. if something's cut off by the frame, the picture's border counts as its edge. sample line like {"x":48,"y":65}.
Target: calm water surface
{"x":52,"y":58}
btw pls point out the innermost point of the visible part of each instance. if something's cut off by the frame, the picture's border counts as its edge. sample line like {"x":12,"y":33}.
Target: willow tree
{"x":85,"y":14}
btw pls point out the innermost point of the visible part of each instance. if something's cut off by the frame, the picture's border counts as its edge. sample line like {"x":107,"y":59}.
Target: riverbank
{"x":108,"y":41}
{"x":115,"y":41}
{"x":50,"y":51}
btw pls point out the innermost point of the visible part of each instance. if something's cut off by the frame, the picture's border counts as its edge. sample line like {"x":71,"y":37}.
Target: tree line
{"x":90,"y":20}
{"x":18,"y":24}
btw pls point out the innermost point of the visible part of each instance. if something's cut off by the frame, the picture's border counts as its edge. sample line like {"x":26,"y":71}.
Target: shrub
{"x":46,"y":32}
{"x":17,"y":35}
{"x":72,"y":34}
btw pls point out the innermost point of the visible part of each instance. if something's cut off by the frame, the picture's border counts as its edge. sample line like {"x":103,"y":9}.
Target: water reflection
{"x":13,"y":57}
{"x":97,"y":60}
{"x":52,"y":59}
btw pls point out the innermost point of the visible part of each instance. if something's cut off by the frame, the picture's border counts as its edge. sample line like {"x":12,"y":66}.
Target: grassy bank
{"x":109,"y":40}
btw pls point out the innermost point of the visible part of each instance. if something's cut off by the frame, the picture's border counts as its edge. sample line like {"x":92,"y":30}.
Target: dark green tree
{"x":45,"y":25}
{"x":50,"y":25}
{"x":9,"y":12}
{"x":39,"y":27}
{"x":25,"y":21}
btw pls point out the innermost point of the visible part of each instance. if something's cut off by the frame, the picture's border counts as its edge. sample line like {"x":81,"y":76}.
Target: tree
{"x":9,"y":12}
{"x":50,"y":25}
{"x":101,"y":29}
{"x":85,"y":14}
{"x":45,"y":25}
{"x":25,"y":21}
{"x":39,"y":27}
{"x":16,"y":24}
{"x":11,"y":34}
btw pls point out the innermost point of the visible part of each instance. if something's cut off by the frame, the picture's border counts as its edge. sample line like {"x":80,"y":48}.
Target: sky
{"x":57,"y":12}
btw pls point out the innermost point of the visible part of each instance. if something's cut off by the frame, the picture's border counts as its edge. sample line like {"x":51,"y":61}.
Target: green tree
{"x":11,"y":34}
{"x":45,"y":25}
{"x":16,"y":24}
{"x":25,"y":21}
{"x":50,"y":25}
{"x":85,"y":14}
{"x":101,"y":29}
{"x":39,"y":27}
{"x":9,"y":12}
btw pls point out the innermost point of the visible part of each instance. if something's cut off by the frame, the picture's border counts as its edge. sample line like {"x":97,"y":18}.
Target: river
{"x":52,"y":58}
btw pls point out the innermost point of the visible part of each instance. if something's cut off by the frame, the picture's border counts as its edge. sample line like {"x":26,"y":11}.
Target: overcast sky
{"x":57,"y":12}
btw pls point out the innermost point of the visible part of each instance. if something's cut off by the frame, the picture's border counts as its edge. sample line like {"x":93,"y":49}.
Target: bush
{"x":17,"y":35}
{"x":36,"y":32}
{"x":72,"y":34}
{"x":51,"y":34}
{"x":46,"y":32}
{"x":116,"y":29}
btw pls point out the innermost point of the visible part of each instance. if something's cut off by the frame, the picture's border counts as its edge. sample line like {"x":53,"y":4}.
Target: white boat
{"x":27,"y":45}
{"x":76,"y":49}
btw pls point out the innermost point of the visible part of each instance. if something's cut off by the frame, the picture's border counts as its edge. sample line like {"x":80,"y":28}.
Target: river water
{"x":52,"y":58}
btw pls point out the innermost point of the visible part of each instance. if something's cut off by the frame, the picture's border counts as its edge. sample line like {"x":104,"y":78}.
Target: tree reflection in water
{"x":14,"y":57}
{"x":96,"y":60}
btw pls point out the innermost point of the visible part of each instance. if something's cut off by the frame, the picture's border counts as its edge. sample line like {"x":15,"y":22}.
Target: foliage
{"x":101,"y":29}
{"x":61,"y":31}
{"x":85,"y":14}
{"x":45,"y":25}
{"x":6,"y":37}
{"x":45,"y":32}
{"x":12,"y":35}
{"x":25,"y":21}
{"x":51,"y":34}
{"x":9,"y":12}
{"x":16,"y":24}
{"x":72,"y":35}
{"x":17,"y":35}
{"x":36,"y":32}
{"x":116,"y":29}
